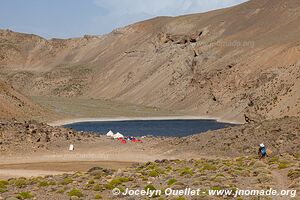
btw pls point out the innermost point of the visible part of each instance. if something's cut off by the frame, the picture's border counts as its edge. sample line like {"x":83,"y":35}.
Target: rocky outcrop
{"x":31,"y":136}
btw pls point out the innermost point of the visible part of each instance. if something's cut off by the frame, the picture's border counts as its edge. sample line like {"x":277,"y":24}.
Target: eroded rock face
{"x":179,"y":38}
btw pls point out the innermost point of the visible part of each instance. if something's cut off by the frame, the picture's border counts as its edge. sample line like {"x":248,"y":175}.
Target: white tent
{"x":110,"y":134}
{"x":118,"y":135}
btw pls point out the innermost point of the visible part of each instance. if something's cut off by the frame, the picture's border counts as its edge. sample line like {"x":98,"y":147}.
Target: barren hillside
{"x":227,"y":63}
{"x":14,"y":104}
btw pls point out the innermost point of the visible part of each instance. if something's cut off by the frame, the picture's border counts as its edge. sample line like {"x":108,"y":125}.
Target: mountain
{"x":240,"y":63}
{"x":14,"y":104}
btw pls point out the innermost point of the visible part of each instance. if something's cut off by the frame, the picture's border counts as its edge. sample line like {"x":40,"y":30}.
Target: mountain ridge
{"x":239,"y":63}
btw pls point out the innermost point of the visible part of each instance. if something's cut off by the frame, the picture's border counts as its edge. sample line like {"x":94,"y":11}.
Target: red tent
{"x":135,"y":141}
{"x":123,"y":141}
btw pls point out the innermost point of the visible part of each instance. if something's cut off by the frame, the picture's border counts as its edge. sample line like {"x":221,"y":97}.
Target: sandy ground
{"x":54,"y":168}
{"x":105,"y":153}
{"x":14,"y":173}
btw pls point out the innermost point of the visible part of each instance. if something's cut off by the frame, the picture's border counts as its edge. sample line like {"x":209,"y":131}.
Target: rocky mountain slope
{"x":14,"y":104}
{"x":238,"y":63}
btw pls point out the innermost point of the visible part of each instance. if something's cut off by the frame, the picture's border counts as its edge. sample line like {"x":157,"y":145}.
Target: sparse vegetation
{"x":75,"y":192}
{"x":205,"y":174}
{"x":67,"y":181}
{"x":43,"y":184}
{"x":186,"y":171}
{"x":98,"y":196}
{"x":25,"y":195}
{"x":294,"y":173}
{"x":120,"y":180}
{"x":208,"y":166}
{"x":150,"y":187}
{"x":283,"y":165}
{"x":3,"y":186}
{"x":153,"y":173}
{"x":20,"y":182}
{"x":171,"y":181}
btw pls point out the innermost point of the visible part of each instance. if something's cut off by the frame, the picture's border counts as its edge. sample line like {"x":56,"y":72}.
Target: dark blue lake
{"x":178,"y":128}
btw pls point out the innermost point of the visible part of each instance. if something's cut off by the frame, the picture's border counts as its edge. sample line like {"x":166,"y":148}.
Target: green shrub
{"x":171,"y":181}
{"x":43,"y":184}
{"x":97,"y":187}
{"x":98,"y":196}
{"x":75,"y":192}
{"x":20,"y":183}
{"x":153,"y":173}
{"x":215,"y":188}
{"x":220,"y":175}
{"x":3,"y":182}
{"x":109,"y":186}
{"x":207,"y":166}
{"x":151,"y":166}
{"x":67,"y":181}
{"x":273,"y":160}
{"x":283,"y":165}
{"x":186,"y":171}
{"x":120,"y":180}
{"x":51,"y":183}
{"x":91,"y":181}
{"x":24,"y":195}
{"x":150,"y":187}
{"x":3,"y":186}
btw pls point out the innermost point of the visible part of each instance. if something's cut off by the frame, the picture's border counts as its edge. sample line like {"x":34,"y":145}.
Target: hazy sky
{"x":73,"y":18}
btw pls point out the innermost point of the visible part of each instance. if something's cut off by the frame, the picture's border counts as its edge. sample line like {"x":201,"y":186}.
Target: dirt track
{"x":53,"y":168}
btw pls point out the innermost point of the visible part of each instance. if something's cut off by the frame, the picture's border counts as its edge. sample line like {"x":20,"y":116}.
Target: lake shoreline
{"x":78,"y":120}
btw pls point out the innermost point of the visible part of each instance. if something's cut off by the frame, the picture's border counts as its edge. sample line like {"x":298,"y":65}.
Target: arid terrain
{"x":224,"y":158}
{"x":239,"y":64}
{"x":243,"y":60}
{"x":13,"y":104}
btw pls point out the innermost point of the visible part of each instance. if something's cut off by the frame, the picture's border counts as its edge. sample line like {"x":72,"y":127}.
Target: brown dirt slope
{"x":14,"y":104}
{"x":279,"y":135}
{"x":227,"y":63}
